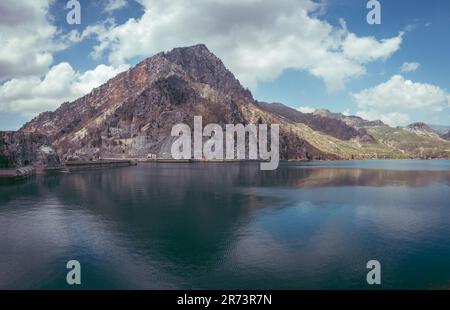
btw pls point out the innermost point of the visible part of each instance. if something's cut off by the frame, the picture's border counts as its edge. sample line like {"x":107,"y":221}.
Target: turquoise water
{"x":230,"y":226}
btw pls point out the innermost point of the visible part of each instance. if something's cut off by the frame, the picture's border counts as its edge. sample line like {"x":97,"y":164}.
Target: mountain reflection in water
{"x":303,"y":226}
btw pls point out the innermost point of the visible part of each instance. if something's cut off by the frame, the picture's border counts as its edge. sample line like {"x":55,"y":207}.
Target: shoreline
{"x":23,"y":173}
{"x":26,"y":172}
{"x":100,"y":164}
{"x":15,"y":174}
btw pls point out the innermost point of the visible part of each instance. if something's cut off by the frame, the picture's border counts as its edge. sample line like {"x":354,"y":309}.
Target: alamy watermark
{"x":74,"y":275}
{"x":374,"y":275}
{"x":74,"y":15}
{"x":235,"y":138}
{"x":374,"y":15}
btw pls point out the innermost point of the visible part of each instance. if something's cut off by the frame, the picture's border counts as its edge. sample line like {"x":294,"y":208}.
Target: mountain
{"x":446,"y":136}
{"x":334,"y":127}
{"x":422,"y":129}
{"x":350,"y":120}
{"x":440,"y":129}
{"x":133,"y":113}
{"x":416,"y":140}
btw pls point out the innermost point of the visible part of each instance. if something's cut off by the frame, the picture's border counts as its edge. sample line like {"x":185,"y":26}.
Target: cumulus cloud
{"x":306,"y":109}
{"x":257,"y":39}
{"x":114,"y":5}
{"x":394,"y":100}
{"x":32,"y":95}
{"x":76,"y":36}
{"x":409,"y":67}
{"x":27,"y":38}
{"x":368,"y":49}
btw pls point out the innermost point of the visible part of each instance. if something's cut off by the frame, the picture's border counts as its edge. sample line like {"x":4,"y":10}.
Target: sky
{"x":303,"y":53}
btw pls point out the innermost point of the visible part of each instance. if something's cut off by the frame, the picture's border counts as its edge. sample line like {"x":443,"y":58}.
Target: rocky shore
{"x":17,"y":173}
{"x":23,"y":155}
{"x":18,"y":149}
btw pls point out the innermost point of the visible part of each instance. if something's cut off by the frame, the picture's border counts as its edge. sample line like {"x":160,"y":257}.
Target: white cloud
{"x":306,"y":109}
{"x":27,"y":38}
{"x":76,"y":36}
{"x":114,"y":5}
{"x":394,"y":100}
{"x":410,"y":67}
{"x":367,"y":49}
{"x":33,"y":95}
{"x":256,"y":39}
{"x":270,"y":37}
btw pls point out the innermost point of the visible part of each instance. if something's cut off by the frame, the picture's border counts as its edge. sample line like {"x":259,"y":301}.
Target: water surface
{"x":230,"y":226}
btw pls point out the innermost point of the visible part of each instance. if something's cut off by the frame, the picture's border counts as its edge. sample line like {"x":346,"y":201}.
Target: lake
{"x":230,"y":226}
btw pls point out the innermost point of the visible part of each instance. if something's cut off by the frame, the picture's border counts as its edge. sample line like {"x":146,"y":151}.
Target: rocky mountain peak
{"x":205,"y":67}
{"x":131,"y":115}
{"x":422,"y":129}
{"x":419,"y":126}
{"x":323,"y":113}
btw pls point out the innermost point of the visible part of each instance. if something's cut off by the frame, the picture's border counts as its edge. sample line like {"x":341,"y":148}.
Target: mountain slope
{"x":422,"y":129}
{"x":446,"y":136}
{"x":132,"y":115}
{"x":331,"y":126}
{"x":351,"y":120}
{"x":439,"y":129}
{"x":412,"y":144}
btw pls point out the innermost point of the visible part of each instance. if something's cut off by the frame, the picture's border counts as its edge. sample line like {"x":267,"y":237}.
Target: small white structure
{"x":151,"y":156}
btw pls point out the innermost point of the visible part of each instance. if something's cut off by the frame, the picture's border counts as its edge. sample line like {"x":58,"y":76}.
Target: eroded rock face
{"x":132,"y":114}
{"x":47,"y":156}
{"x":18,"y":149}
{"x":422,"y":129}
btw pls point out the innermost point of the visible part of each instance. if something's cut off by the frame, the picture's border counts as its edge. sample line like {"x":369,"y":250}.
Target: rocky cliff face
{"x":19,"y":149}
{"x":132,"y":116}
{"x":422,"y":129}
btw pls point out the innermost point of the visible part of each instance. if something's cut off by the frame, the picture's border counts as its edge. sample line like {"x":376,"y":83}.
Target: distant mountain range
{"x":440,"y":129}
{"x":132,"y":115}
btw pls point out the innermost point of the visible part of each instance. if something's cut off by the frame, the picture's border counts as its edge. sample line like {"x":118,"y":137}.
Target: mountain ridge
{"x":132,"y":114}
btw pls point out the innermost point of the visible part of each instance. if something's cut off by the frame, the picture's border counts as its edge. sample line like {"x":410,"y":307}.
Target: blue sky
{"x":427,"y":41}
{"x":306,"y":54}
